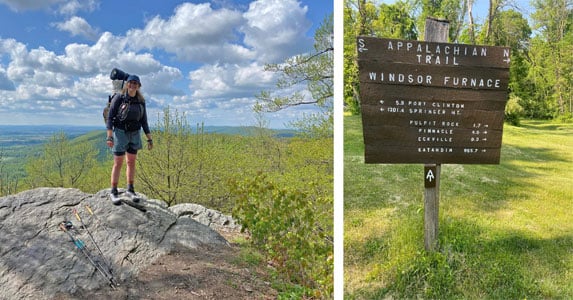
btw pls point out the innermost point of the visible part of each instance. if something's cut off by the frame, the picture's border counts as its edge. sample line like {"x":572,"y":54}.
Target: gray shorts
{"x":126,"y":141}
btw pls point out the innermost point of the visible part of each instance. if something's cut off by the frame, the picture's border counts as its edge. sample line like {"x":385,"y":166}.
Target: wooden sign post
{"x":436,"y":31}
{"x":432,"y":102}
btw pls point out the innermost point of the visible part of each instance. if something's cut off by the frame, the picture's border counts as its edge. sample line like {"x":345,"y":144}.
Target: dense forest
{"x":541,"y":42}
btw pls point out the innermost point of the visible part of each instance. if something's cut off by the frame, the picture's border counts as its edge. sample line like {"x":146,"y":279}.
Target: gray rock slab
{"x":206,"y":216}
{"x":38,"y":260}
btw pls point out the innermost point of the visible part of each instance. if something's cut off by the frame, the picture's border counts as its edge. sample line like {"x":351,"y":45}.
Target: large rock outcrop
{"x":38,"y":260}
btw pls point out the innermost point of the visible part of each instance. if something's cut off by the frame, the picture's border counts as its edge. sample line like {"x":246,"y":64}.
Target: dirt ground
{"x":204,"y":273}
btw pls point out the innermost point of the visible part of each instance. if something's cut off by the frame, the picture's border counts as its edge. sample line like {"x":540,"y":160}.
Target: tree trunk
{"x":470,"y":4}
{"x":490,"y":14}
{"x":363,"y":29}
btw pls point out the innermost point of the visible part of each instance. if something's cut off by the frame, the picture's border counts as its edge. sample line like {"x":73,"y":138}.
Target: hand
{"x":149,"y":144}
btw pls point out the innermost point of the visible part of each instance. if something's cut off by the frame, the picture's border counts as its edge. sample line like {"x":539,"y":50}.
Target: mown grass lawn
{"x":505,"y":232}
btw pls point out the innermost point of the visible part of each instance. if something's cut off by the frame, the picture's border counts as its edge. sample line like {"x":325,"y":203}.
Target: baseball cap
{"x":133,"y":78}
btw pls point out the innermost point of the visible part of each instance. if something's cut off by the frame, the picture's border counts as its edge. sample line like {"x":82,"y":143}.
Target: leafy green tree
{"x":510,"y":29}
{"x":554,"y":20}
{"x":313,"y":126}
{"x":451,"y":10}
{"x":395,"y":21}
{"x":189,"y":165}
{"x":164,"y":173}
{"x":363,"y":17}
{"x":495,"y":6}
{"x":513,"y":110}
{"x":61,"y":164}
{"x":353,"y":27}
{"x":287,"y":207}
{"x":8,"y":180}
{"x":315,"y":70}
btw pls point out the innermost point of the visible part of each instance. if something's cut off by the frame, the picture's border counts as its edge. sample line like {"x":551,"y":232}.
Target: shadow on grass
{"x":539,"y":126}
{"x":476,"y":262}
{"x":522,"y":169}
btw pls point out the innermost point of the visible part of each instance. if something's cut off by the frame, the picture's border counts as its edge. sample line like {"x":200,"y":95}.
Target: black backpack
{"x":118,"y":78}
{"x":126,"y":114}
{"x":106,"y":109}
{"x":129,"y":118}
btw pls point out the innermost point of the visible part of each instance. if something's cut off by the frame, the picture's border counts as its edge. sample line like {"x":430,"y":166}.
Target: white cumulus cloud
{"x":272,"y":26}
{"x":77,"y":26}
{"x":195,"y":32}
{"x":229,"y":80}
{"x":5,"y":83}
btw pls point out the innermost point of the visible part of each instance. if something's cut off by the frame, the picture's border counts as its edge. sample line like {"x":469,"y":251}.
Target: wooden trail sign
{"x":432,"y":103}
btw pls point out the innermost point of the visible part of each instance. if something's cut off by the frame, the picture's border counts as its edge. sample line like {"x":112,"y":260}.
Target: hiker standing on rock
{"x":127,"y":116}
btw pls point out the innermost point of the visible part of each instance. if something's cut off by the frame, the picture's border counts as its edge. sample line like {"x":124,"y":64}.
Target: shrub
{"x":285,"y":223}
{"x":513,"y":110}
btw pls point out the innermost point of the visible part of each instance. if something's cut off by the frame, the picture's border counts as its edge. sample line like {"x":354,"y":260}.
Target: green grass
{"x":505,"y":231}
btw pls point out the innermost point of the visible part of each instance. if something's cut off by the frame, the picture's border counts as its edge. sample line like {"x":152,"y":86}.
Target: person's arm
{"x":146,"y":130}
{"x":149,"y":141}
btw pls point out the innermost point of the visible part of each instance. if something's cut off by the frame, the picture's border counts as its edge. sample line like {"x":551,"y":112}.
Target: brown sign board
{"x":431,"y":103}
{"x":431,"y":53}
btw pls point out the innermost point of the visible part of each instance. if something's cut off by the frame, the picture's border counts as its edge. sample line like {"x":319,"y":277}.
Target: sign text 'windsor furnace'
{"x":426,"y":102}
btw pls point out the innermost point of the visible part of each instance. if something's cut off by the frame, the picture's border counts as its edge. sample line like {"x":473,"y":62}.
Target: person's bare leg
{"x":116,"y":169}
{"x":130,"y":170}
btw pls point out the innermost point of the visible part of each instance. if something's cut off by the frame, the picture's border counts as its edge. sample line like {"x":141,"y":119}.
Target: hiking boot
{"x":114,"y":196}
{"x":131,"y":194}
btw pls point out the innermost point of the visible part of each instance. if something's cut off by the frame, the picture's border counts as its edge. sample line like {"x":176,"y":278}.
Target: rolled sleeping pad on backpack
{"x":117,"y":74}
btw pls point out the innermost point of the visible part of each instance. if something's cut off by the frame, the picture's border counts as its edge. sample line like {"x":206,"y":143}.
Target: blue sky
{"x":203,"y":58}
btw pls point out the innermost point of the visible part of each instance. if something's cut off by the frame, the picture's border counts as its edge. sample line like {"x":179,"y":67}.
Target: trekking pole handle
{"x":75,"y":211}
{"x":89,"y":209}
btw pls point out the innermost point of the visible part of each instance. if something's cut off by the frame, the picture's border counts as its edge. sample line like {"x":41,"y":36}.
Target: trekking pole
{"x":97,"y":219}
{"x":64,"y":226}
{"x":99,"y":223}
{"x":75,"y":211}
